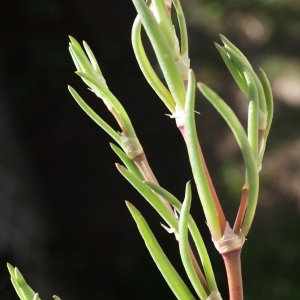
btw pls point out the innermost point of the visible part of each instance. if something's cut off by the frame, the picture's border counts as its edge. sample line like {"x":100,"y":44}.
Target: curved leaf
{"x":165,"y":267}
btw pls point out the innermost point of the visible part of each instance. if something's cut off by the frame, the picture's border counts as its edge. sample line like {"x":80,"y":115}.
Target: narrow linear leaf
{"x":184,"y":46}
{"x":36,"y":297}
{"x":163,"y":53}
{"x":270,"y":108}
{"x":92,"y":58}
{"x":229,"y":45}
{"x":245,"y":147}
{"x":75,"y":42}
{"x":82,"y":60}
{"x":11,"y":270}
{"x":112,"y":100}
{"x":165,"y":267}
{"x":196,"y":235}
{"x":253,"y":111}
{"x":232,"y":69}
{"x":269,"y":99}
{"x":77,"y":65}
{"x":146,"y":192}
{"x":197,"y":163}
{"x":128,"y":162}
{"x":241,"y":63}
{"x":146,"y":67}
{"x":160,"y":11}
{"x":25,"y":289}
{"x":94,"y":116}
{"x":17,"y":288}
{"x":184,"y":244}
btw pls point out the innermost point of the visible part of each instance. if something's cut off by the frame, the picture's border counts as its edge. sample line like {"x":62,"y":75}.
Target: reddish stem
{"x":232,"y":262}
{"x":241,"y":212}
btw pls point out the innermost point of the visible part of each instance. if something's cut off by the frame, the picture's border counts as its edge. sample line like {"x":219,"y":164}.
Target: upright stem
{"x":232,"y":262}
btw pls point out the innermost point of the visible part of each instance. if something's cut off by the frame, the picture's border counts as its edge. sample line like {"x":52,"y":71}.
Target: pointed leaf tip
{"x":128,"y":204}
{"x":36,"y":297}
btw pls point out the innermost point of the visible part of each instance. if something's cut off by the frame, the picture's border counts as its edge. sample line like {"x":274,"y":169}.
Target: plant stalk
{"x":232,"y":262}
{"x":142,"y":163}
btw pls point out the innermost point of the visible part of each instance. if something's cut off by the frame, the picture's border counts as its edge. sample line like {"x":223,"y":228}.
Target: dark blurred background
{"x":63,"y":220}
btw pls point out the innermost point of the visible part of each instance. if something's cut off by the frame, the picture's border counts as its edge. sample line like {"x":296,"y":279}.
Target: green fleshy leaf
{"x":237,"y":76}
{"x":270,"y":108}
{"x":11,"y":270}
{"x":196,"y":235}
{"x":92,"y":58}
{"x":270,"y":104}
{"x":253,"y":111}
{"x":94,"y":116}
{"x":25,"y":289}
{"x":17,"y":288}
{"x":160,"y":11}
{"x":147,"y":69}
{"x":269,"y":100}
{"x":184,"y":46}
{"x":165,"y":267}
{"x":163,"y":53}
{"x":36,"y":297}
{"x":184,"y":244}
{"x":229,"y":45}
{"x":153,"y":199}
{"x":241,"y":64}
{"x":241,"y":137}
{"x":81,"y":59}
{"x":107,"y":95}
{"x":196,"y":162}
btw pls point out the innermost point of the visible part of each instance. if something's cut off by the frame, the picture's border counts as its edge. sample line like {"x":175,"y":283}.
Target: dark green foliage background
{"x":84,"y":244}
